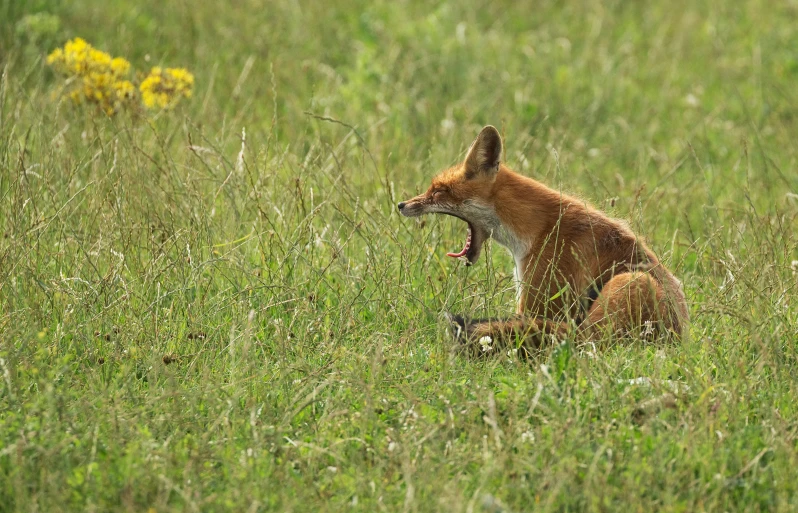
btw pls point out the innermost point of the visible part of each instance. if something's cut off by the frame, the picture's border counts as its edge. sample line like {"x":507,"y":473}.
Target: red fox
{"x":575,"y":267}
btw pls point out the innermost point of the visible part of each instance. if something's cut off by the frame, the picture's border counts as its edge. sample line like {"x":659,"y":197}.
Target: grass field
{"x":218,"y":308}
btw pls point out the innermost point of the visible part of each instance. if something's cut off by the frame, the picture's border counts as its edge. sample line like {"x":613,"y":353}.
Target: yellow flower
{"x":98,"y":78}
{"x":164,"y":88}
{"x":56,"y":56}
{"x":99,"y":59}
{"x":124,"y":89}
{"x":120,"y":66}
{"x":77,"y":44}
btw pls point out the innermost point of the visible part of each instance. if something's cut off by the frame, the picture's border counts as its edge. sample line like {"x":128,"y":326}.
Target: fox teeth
{"x":465,"y":248}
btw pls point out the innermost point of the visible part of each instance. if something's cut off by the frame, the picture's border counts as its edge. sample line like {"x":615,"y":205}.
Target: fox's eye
{"x":437,"y":194}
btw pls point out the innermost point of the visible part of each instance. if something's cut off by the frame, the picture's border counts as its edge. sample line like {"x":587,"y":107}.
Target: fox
{"x":578,"y":271}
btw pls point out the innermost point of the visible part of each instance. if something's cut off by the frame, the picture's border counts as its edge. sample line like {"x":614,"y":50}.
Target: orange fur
{"x":563,"y":248}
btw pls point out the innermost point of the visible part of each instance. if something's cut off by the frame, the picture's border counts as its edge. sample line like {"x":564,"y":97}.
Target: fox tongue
{"x":465,"y":248}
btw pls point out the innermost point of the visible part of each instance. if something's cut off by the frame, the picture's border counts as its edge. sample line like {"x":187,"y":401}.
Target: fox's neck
{"x":526,"y":211}
{"x":527,"y":215}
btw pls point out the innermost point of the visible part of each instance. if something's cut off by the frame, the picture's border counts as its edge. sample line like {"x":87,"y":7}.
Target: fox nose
{"x":401,"y":205}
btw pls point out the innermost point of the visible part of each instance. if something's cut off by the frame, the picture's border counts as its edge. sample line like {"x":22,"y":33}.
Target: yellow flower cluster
{"x":97,"y":77}
{"x":164,"y":87}
{"x":93,"y":76}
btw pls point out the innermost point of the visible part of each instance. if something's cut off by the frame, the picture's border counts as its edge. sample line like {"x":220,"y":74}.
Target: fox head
{"x":464,"y":191}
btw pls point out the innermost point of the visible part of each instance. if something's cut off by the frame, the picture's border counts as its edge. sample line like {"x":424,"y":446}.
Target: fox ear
{"x":485,"y":153}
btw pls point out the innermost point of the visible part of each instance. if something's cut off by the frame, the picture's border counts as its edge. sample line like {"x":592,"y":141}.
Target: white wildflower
{"x":692,"y":100}
{"x":528,"y":437}
{"x":648,"y":329}
{"x":447,"y":125}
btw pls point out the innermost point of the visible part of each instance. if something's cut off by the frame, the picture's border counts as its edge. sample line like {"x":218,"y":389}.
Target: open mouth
{"x":472,"y":246}
{"x":466,"y":247}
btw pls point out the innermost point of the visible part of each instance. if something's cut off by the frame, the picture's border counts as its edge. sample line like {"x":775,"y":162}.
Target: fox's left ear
{"x":485,"y":153}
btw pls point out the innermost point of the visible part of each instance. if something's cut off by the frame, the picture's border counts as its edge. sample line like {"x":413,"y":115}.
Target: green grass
{"x":184,"y":329}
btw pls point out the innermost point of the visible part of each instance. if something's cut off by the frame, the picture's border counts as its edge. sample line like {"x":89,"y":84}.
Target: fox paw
{"x":457,"y":327}
{"x":464,"y":334}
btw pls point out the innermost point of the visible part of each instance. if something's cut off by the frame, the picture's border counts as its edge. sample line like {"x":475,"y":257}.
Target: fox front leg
{"x":490,"y":336}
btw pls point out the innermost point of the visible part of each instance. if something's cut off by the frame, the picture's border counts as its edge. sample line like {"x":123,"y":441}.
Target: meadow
{"x":216,"y":306}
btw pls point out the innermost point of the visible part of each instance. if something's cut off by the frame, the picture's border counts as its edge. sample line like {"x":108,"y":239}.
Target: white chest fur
{"x":485,"y":217}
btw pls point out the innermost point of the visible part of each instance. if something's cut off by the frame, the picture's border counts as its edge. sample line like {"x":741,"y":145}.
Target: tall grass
{"x":218,"y":308}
